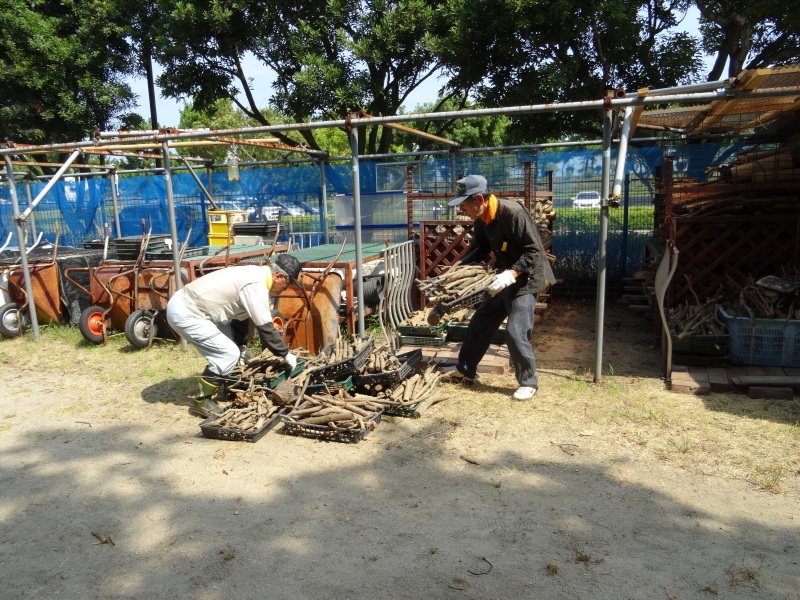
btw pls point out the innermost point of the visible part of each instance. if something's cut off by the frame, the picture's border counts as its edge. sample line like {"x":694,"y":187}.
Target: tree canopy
{"x":63,"y":64}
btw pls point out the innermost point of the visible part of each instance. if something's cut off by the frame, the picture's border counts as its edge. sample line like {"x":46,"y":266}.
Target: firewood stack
{"x":760,"y":179}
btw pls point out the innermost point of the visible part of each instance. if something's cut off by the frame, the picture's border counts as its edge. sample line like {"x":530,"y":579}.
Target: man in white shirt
{"x":203,"y":311}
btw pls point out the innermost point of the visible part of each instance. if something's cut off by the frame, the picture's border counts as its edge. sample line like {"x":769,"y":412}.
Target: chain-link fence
{"x":568,"y":181}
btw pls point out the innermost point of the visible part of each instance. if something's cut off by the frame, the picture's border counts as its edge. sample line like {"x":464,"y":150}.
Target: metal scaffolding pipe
{"x":24,"y":215}
{"x":622,"y":153}
{"x":203,"y":189}
{"x":324,"y":185}
{"x":173,"y":229}
{"x":689,"y":88}
{"x":114,"y":202}
{"x":23,"y":257}
{"x":677,"y":98}
{"x":602,"y":252}
{"x":357,"y":230}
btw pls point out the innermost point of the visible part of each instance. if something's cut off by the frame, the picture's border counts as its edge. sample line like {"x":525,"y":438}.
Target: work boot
{"x":204,"y":407}
{"x":209,"y":385}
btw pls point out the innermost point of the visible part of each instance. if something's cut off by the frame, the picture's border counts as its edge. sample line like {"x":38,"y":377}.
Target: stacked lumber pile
{"x":763,"y":180}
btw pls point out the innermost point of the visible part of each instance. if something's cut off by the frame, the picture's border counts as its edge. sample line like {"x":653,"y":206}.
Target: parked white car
{"x":586,"y":200}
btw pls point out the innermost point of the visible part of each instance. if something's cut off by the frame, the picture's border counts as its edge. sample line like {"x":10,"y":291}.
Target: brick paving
{"x":496,"y":359}
{"x":704,"y":380}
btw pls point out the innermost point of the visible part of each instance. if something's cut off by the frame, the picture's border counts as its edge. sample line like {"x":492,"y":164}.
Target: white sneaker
{"x":524,"y":393}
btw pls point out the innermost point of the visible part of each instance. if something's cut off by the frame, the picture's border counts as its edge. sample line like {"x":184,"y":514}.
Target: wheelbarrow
{"x":46,"y":289}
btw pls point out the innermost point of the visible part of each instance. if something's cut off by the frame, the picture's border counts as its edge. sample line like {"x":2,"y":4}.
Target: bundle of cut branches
{"x":410,"y":392}
{"x":456,"y":282}
{"x":250,"y":410}
{"x":266,"y":365}
{"x":339,"y":411}
{"x":381,"y":360}
{"x":748,"y":299}
{"x":341,"y":349}
{"x":698,"y":318}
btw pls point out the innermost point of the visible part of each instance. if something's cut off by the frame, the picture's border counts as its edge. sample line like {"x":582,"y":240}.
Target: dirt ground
{"x":589,"y":491}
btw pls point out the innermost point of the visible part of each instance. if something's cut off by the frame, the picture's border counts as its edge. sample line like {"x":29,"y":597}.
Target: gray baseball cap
{"x":471,"y":184}
{"x":289,"y":265}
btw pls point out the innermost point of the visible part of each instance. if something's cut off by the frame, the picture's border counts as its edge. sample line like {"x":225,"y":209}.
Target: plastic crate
{"x":469,"y":300}
{"x":763,"y":342}
{"x":458,"y":333}
{"x":273,"y":382}
{"x":395,"y":410}
{"x":330,"y":433}
{"x":128,"y":248}
{"x":167,"y":254}
{"x":240,"y":435}
{"x":422,"y":329}
{"x":423,"y":340}
{"x":346,"y":385}
{"x":342,"y":369}
{"x":410,"y":361}
{"x":702,"y":345}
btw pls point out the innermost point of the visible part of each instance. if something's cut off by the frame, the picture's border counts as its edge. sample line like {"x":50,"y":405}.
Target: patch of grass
{"x":742,"y":576}
{"x":684,"y":445}
{"x":552,"y":569}
{"x":768,"y":477}
{"x":5,"y":426}
{"x":579,"y":553}
{"x":228,"y":554}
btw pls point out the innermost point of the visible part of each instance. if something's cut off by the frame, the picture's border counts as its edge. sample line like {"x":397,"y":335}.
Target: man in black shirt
{"x":505,"y":228}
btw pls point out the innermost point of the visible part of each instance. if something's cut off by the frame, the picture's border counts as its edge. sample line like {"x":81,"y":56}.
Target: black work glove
{"x":271,"y":339}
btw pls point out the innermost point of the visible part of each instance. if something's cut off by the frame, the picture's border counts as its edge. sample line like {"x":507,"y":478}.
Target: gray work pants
{"x":484,"y":324}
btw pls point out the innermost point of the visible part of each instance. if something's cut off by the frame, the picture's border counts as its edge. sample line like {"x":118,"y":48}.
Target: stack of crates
{"x":423,"y":335}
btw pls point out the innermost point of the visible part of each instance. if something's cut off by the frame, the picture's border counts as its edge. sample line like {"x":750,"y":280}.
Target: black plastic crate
{"x":331,"y":386}
{"x":239,"y":435}
{"x":342,"y":369}
{"x":432,"y":331}
{"x":273,"y":382}
{"x":258,"y":228}
{"x":410,"y":362}
{"x":702,"y":345}
{"x":128,"y":248}
{"x":330,"y":433}
{"x":166,"y":254}
{"x":395,"y":410}
{"x":457,"y":332}
{"x":464,"y":301}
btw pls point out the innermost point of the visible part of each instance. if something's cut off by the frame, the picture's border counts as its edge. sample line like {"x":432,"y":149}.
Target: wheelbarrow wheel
{"x":13,"y":320}
{"x":139,"y":326}
{"x":91,"y":324}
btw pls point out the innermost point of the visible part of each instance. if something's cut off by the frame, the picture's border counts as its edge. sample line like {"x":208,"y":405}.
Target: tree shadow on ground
{"x":398,"y":515}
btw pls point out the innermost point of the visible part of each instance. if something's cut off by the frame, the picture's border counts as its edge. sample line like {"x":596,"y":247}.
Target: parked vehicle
{"x":586,"y":200}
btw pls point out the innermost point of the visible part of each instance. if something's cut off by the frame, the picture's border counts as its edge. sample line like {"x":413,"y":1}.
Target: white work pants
{"x":214,"y":342}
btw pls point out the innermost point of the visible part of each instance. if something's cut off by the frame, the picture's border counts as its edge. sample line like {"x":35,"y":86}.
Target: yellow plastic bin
{"x":218,"y":221}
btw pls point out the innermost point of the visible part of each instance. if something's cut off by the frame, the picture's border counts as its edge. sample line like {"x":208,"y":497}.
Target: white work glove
{"x":500,"y":282}
{"x":291,"y":360}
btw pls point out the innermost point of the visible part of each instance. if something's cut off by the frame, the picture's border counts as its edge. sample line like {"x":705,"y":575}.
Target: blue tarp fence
{"x":80,"y":208}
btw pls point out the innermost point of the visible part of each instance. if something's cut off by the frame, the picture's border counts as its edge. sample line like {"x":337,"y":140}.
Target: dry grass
{"x":627,"y":415}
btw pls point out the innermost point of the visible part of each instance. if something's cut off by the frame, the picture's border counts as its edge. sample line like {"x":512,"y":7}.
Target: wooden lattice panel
{"x":713,"y":247}
{"x":442,"y":244}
